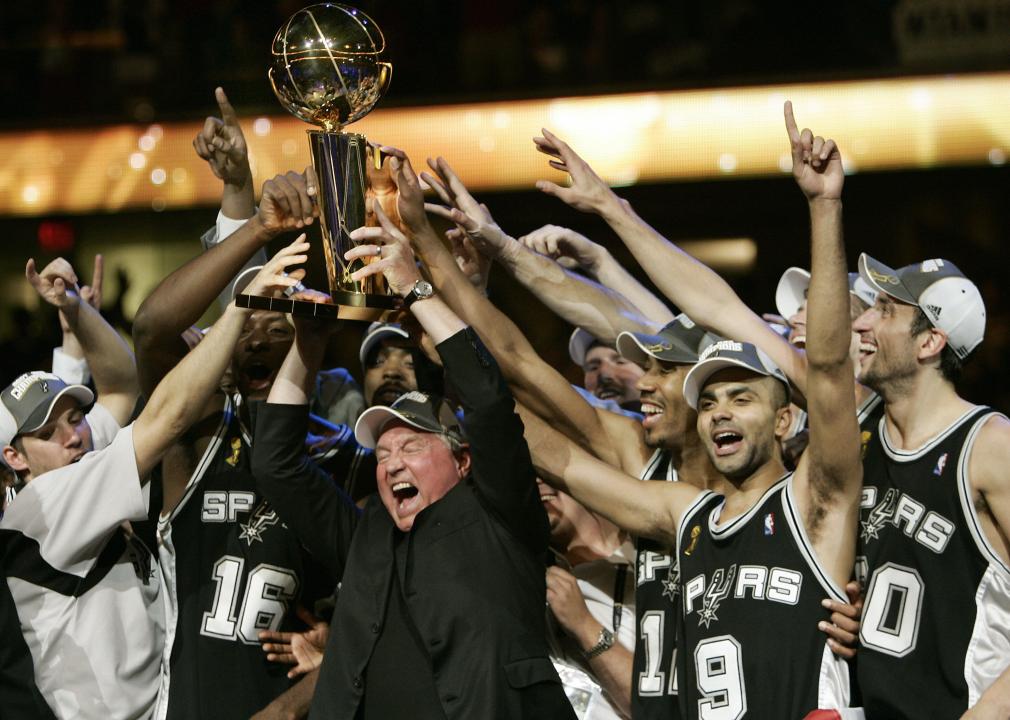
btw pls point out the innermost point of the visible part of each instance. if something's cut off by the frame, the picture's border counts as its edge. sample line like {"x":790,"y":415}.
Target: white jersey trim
{"x":989,"y":648}
{"x":734,"y":525}
{"x":806,"y":547}
{"x":833,"y":689}
{"x":966,"y":496}
{"x":689,"y":512}
{"x":208,"y":455}
{"x":899,"y":455}
{"x":868,"y":405}
{"x":657,"y":457}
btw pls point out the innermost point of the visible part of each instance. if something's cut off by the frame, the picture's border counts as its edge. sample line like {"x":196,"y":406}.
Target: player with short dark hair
{"x":936,"y":505}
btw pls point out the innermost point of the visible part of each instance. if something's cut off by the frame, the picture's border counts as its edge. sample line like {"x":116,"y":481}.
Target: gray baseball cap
{"x":424,"y":411}
{"x":376,"y":333}
{"x":724,"y":354}
{"x":950,"y":301}
{"x":678,"y":342}
{"x":27,"y":403}
{"x":579,"y":344}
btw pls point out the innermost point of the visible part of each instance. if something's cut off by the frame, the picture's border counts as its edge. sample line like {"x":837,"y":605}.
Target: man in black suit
{"x":440,"y":613}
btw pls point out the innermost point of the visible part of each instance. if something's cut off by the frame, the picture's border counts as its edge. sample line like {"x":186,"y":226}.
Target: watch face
{"x":423,"y":289}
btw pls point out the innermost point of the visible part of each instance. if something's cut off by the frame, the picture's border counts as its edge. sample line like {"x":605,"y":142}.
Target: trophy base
{"x":345,"y":306}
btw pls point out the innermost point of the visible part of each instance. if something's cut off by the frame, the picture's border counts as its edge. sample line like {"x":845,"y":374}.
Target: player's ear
{"x":783,"y":421}
{"x":931,"y":343}
{"x":15,"y":459}
{"x":463,"y":462}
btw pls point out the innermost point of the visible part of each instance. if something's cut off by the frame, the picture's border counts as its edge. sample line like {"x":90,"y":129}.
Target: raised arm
{"x":564,"y":244}
{"x":829,"y":477}
{"x":179,"y":399}
{"x":109,"y":357}
{"x":68,"y":359}
{"x":647,"y":509}
{"x":533,"y":381}
{"x":182,"y":297}
{"x":222,"y":144}
{"x":690,"y":285}
{"x":501,"y":468}
{"x":575,"y":298}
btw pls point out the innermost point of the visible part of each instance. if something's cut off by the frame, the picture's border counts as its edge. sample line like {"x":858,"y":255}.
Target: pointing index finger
{"x":791,"y":129}
{"x":227,"y":111}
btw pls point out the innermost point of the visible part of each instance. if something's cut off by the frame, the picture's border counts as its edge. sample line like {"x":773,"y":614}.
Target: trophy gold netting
{"x":327,"y":70}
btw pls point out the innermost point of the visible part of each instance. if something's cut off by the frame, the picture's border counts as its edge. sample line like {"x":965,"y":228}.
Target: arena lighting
{"x":733,"y":256}
{"x":896,"y":124}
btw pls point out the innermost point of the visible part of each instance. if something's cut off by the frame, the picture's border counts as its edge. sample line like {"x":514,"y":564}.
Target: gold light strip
{"x":645,"y":137}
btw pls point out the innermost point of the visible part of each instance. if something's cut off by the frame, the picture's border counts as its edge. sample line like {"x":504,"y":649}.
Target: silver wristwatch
{"x":422,"y":290}
{"x":603,"y":643}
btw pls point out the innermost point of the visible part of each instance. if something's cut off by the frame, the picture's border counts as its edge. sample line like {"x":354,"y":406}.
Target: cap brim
{"x":700,"y":373}
{"x":791,"y":291}
{"x":371,"y":423}
{"x":41,"y":416}
{"x":884,"y":279}
{"x":639,"y":347}
{"x":579,"y":344}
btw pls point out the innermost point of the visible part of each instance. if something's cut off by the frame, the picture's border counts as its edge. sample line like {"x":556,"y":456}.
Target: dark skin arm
{"x":182,"y":297}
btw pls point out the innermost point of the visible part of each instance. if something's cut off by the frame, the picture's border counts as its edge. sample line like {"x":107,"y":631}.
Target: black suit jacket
{"x":474,"y":582}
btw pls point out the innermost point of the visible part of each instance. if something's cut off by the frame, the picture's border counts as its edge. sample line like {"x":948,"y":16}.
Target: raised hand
{"x":409,"y":194}
{"x":587,"y":191}
{"x":470,"y":216}
{"x":391,"y":253}
{"x":274,"y":276}
{"x":565,"y":599}
{"x":91,"y":294}
{"x":817,"y":163}
{"x":569,"y":248}
{"x":221,"y":143}
{"x":56,"y":284}
{"x":474,"y":264}
{"x":288,"y":201}
{"x":303,"y":649}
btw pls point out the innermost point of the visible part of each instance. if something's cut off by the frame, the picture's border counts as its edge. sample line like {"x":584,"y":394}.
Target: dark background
{"x":79,"y":63}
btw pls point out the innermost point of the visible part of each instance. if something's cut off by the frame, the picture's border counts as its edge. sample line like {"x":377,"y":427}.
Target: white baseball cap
{"x":950,"y":301}
{"x":27,"y":403}
{"x":794,"y":283}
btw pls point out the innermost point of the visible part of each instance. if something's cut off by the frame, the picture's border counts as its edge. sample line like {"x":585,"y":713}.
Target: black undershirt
{"x":399,"y":680}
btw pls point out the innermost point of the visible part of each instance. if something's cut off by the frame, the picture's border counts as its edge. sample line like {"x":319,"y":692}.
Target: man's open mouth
{"x":727,"y":442}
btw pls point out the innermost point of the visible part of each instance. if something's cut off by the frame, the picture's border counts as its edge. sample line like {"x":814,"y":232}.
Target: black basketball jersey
{"x":869,"y":412}
{"x":231,"y":569}
{"x":936,"y":620}
{"x":751,"y":592}
{"x":654,"y":679}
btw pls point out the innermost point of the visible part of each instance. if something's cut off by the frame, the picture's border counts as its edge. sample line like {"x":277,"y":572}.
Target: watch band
{"x":422,"y":290}
{"x":603,"y":643}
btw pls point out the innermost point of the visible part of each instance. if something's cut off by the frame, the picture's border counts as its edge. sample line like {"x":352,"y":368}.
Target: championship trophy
{"x":328,"y":70}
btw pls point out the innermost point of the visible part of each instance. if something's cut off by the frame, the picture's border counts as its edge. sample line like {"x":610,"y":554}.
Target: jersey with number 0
{"x":654,"y":679}
{"x":936,"y":618}
{"x":232,"y":569}
{"x":751,"y":591}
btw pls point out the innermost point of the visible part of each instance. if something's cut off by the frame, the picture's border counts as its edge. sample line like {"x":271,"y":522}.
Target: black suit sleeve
{"x":502,"y":470}
{"x":306,"y":499}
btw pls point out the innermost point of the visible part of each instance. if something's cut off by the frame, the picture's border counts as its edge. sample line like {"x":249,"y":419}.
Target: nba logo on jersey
{"x":770,"y":524}
{"x":941,"y":463}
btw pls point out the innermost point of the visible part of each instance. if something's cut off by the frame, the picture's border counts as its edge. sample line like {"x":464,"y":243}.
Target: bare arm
{"x":179,"y":399}
{"x":531,"y":379}
{"x":647,"y":509}
{"x":690,"y":285}
{"x":182,"y":297}
{"x":830,"y":474}
{"x":293,"y":703}
{"x":569,"y":247}
{"x":987,"y":474}
{"x":612,"y":669}
{"x":109,"y":357}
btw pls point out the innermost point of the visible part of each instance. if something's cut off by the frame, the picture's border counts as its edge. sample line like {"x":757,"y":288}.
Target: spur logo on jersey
{"x":259,"y":521}
{"x":705,"y":595}
{"x":900,"y":510}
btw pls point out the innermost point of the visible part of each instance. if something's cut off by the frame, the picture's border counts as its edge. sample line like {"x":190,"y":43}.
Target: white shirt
{"x":89,"y":601}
